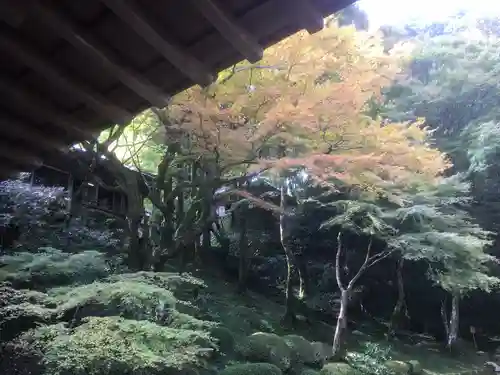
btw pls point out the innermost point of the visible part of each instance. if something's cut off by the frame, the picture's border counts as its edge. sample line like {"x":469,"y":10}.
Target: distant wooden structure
{"x":70,"y":173}
{"x":92,"y":196}
{"x":69,"y":69}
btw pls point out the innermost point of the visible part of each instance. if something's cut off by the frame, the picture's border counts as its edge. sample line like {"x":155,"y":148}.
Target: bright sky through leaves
{"x":399,"y":11}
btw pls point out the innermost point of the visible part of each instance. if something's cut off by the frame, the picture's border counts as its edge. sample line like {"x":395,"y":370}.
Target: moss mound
{"x":398,"y":367}
{"x":132,"y":300}
{"x":303,"y":351}
{"x":52,"y":267}
{"x":129,"y":299}
{"x":20,"y":311}
{"x":338,"y":369}
{"x":268,"y":347}
{"x":252,"y":369}
{"x":184,"y":287}
{"x":114,"y":345}
{"x":307,"y":371}
{"x":15,"y":319}
{"x":322,"y":351}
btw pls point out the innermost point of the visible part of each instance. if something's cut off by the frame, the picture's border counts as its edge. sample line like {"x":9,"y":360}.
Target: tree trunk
{"x":454,"y":321}
{"x":137,"y":250}
{"x":243,"y":249}
{"x":339,"y":338}
{"x":400,"y":306}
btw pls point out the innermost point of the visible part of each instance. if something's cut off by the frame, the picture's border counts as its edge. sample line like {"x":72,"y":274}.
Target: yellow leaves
{"x":309,"y":92}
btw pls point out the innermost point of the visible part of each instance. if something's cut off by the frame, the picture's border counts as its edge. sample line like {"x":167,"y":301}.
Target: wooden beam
{"x":18,"y":155}
{"x":46,"y":110}
{"x":260,"y":21}
{"x":54,"y":75}
{"x":228,"y":27}
{"x":13,"y":12}
{"x":307,"y":15}
{"x":100,"y":53}
{"x":20,"y":130}
{"x":185,"y":63}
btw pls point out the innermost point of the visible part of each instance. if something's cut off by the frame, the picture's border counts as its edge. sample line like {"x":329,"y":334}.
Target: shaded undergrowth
{"x":146,"y":323}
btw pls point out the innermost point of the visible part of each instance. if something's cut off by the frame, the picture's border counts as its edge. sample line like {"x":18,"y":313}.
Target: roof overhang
{"x":72,"y":68}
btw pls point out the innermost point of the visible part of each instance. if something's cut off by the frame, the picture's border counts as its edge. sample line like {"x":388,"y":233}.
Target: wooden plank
{"x":44,"y":109}
{"x":13,"y":12}
{"x":307,"y":15}
{"x":18,"y":129}
{"x":18,"y":155}
{"x":101,"y":54}
{"x":28,"y":56}
{"x":185,"y":63}
{"x":261,"y":21}
{"x":228,"y":27}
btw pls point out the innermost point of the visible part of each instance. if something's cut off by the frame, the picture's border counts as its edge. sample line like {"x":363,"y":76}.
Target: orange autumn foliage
{"x":308,"y":94}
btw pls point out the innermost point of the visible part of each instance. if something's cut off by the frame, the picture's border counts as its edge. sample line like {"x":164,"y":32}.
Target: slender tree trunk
{"x":454,"y":321}
{"x":180,"y":215}
{"x":289,"y":310}
{"x":339,"y":338}
{"x":243,"y":249}
{"x":303,"y":276}
{"x":400,"y":306}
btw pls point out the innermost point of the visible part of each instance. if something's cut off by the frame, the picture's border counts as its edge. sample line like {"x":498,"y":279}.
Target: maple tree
{"x":302,"y":106}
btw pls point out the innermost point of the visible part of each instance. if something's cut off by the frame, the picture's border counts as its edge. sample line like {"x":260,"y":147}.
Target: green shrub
{"x":252,"y":369}
{"x":11,"y":296}
{"x":21,"y":310}
{"x":53,"y":267}
{"x":15,"y":319}
{"x":116,"y":346}
{"x":24,"y":355}
{"x":268,"y":347}
{"x":224,"y":337}
{"x":371,"y":359}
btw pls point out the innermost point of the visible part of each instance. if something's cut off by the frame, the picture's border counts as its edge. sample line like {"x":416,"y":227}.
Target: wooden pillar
{"x":123,"y":208}
{"x":32,"y":177}
{"x":113,"y":202}
{"x":97,"y":195}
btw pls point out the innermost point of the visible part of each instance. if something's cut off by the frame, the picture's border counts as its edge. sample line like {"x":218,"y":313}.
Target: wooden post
{"x":32,"y":177}
{"x":113,"y":202}
{"x":97,"y":195}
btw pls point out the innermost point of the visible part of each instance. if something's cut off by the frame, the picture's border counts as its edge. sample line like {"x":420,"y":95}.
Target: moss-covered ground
{"x":149,"y":323}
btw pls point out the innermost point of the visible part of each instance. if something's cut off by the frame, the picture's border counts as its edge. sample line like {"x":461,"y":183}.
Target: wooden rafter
{"x":13,"y":12}
{"x":17,"y":154}
{"x":20,"y":130}
{"x":226,"y":24}
{"x":184,"y":62}
{"x":28,"y":56}
{"x":308,"y":16}
{"x":46,"y":110}
{"x":100,"y":53}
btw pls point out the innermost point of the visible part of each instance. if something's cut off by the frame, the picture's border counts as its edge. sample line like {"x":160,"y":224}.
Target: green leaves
{"x":360,"y":217}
